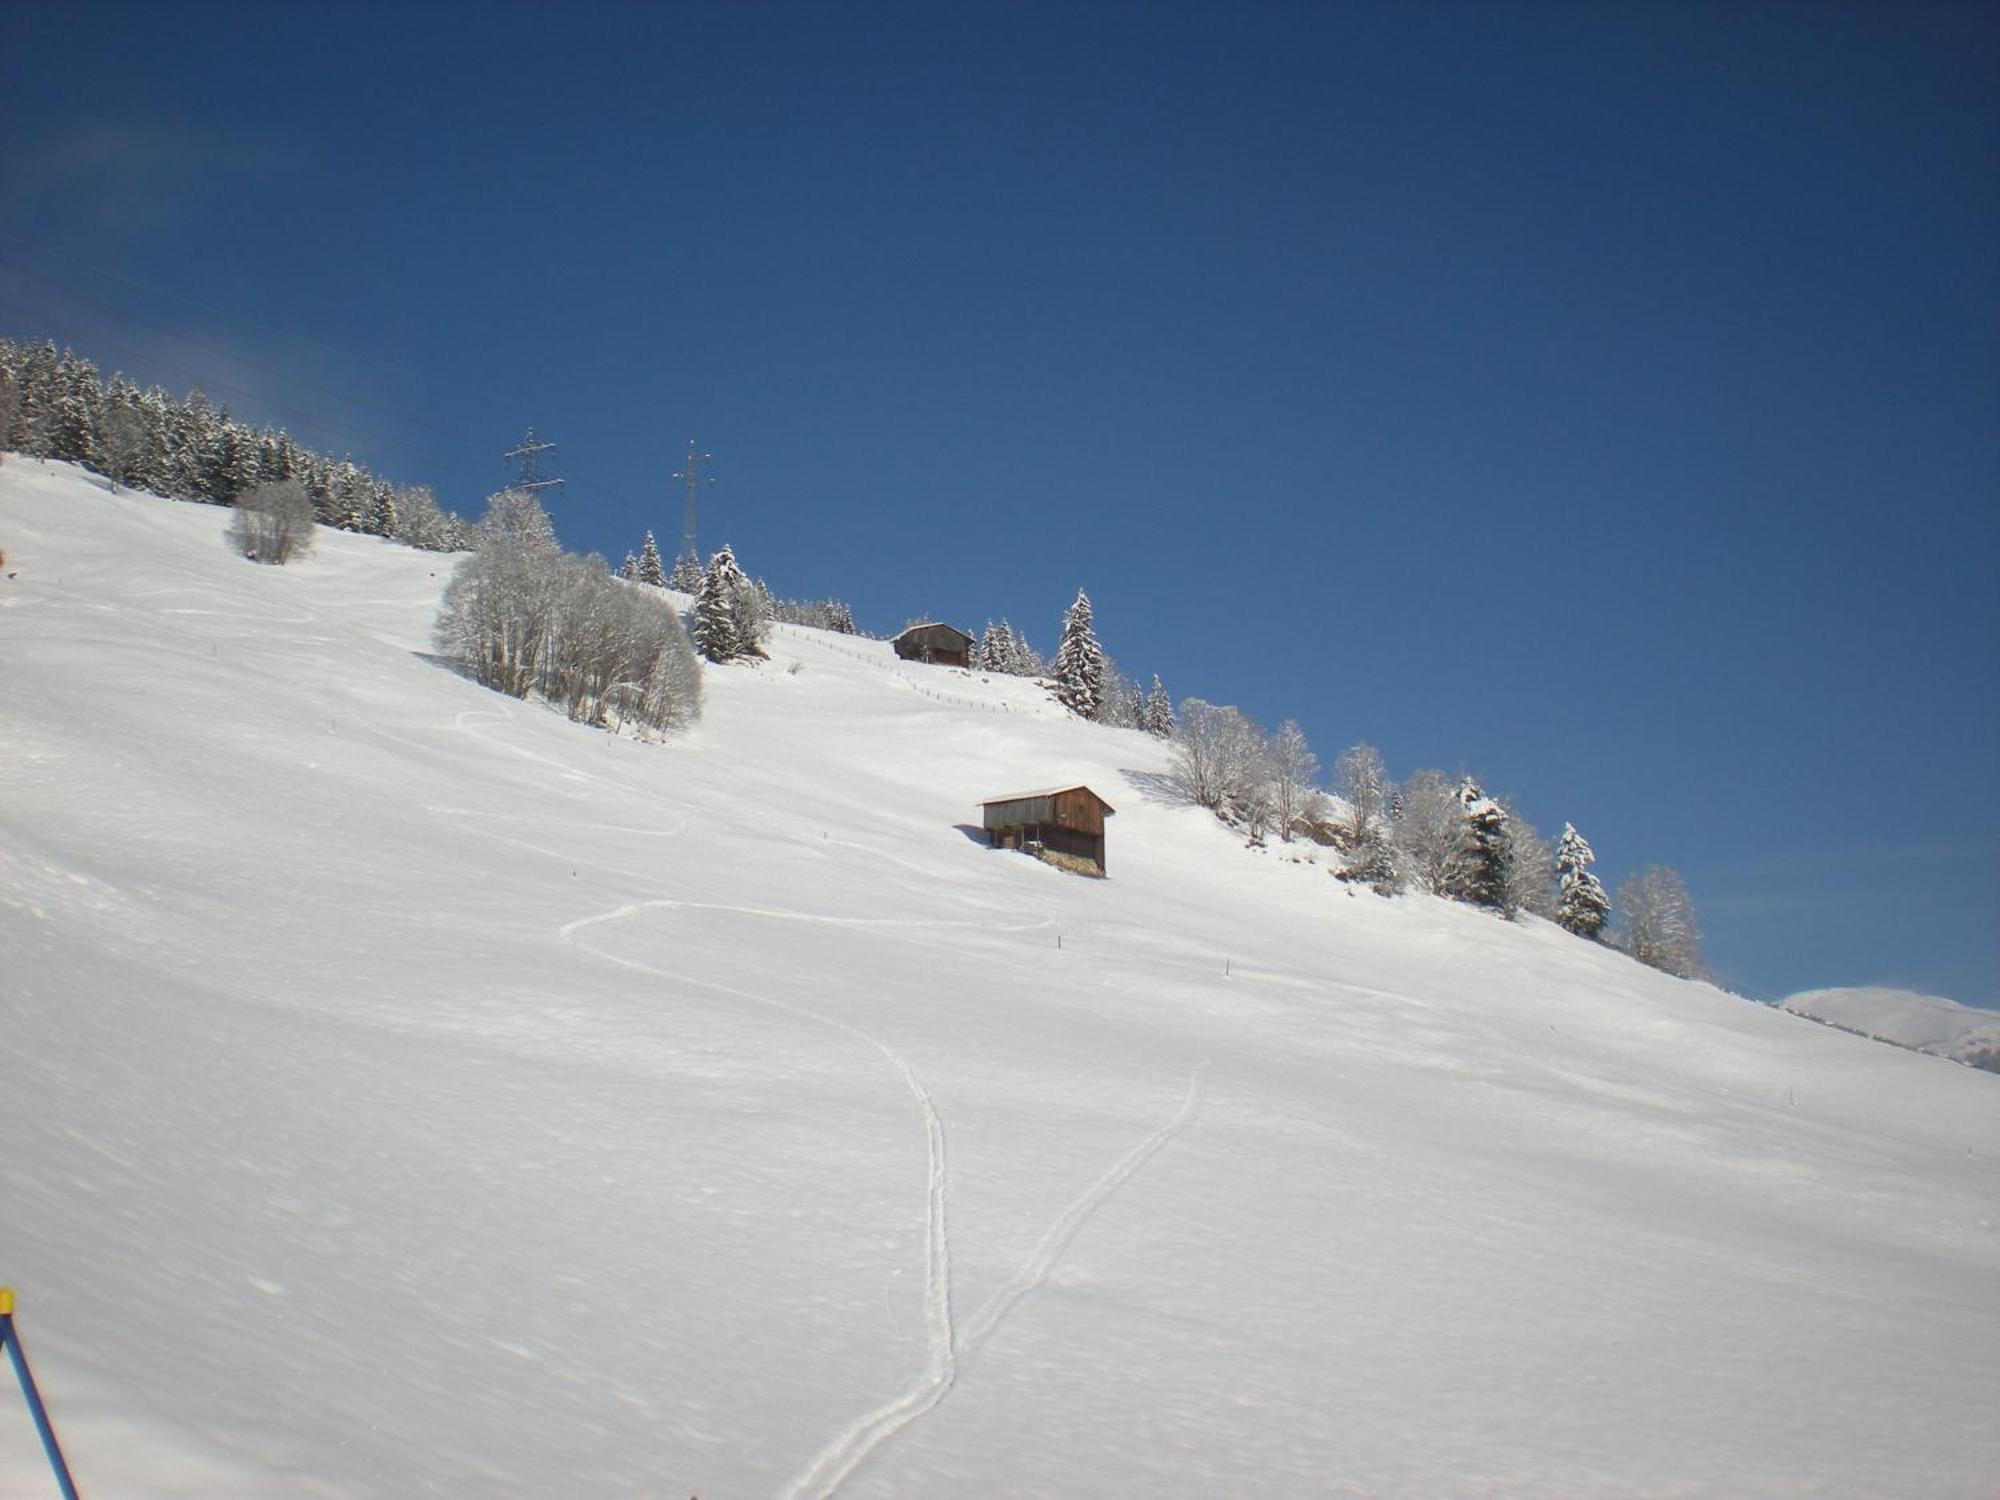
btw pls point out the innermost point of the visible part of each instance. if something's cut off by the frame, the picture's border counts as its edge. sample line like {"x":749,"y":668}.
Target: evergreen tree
{"x":629,"y":569}
{"x":382,"y":510}
{"x":715,"y":609}
{"x":688,"y":575}
{"x":1371,"y":860}
{"x":1480,"y":875}
{"x":10,"y":391}
{"x":752,"y":608}
{"x":76,"y":415}
{"x":1582,"y":905}
{"x":122,"y":450}
{"x":37,"y":396}
{"x":650,"y":570}
{"x":1157,"y":718}
{"x":1080,"y":662}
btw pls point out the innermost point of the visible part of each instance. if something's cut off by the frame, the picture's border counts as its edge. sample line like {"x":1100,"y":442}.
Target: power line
{"x":692,"y":479}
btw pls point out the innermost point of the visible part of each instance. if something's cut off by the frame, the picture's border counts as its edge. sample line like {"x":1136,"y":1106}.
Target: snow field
{"x":411,"y":1093}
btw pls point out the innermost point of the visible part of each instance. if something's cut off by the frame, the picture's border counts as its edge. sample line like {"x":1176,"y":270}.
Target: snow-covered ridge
{"x":410,"y":1092}
{"x":1904,"y":1018}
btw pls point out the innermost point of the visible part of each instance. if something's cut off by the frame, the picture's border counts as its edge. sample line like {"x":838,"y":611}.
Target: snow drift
{"x":410,"y":1092}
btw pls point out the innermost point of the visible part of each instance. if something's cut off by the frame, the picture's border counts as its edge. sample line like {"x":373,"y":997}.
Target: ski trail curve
{"x":861,"y":1438}
{"x":1048,"y":1251}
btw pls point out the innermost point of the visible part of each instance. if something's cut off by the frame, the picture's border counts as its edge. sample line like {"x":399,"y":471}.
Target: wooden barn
{"x":944,"y":645}
{"x":1067,"y":819}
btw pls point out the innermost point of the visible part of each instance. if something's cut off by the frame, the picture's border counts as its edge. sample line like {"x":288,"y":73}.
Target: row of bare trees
{"x":1430,"y":832}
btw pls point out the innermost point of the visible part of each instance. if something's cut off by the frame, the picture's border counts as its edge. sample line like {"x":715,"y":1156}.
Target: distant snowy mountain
{"x":1923,"y":1023}
{"x":409,"y":1092}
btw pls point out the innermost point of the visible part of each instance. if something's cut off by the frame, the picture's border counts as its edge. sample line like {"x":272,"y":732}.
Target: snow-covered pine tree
{"x":752,"y":607}
{"x":34,"y":429}
{"x":629,"y":569}
{"x":1124,"y":703}
{"x":716,"y":635}
{"x":1157,"y":718}
{"x":1481,"y":878}
{"x":124,"y":434}
{"x":1080,"y":662}
{"x":650,"y":569}
{"x":688,"y":574}
{"x":79,"y":412}
{"x":1371,"y":861}
{"x":382,"y":509}
{"x":421,"y":522}
{"x":1582,"y":907}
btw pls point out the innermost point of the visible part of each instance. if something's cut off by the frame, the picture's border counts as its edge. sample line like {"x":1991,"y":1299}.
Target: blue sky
{"x":1604,"y":399}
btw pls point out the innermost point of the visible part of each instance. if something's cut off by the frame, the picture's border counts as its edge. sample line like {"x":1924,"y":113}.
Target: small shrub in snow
{"x":1074,"y":864}
{"x":273,"y":522}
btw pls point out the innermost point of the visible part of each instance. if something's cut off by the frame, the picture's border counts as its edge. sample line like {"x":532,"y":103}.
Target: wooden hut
{"x":945,"y":645}
{"x":1068,"y":819}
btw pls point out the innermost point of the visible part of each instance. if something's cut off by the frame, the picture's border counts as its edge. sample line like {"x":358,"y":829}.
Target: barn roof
{"x":1047,"y":791}
{"x":932,"y":625}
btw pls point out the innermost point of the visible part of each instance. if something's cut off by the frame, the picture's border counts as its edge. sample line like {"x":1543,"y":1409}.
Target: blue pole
{"x":12,"y":1339}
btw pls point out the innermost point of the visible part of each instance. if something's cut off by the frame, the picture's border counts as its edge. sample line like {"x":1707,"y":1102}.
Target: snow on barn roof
{"x":1049,"y":791}
{"x":930,"y":625}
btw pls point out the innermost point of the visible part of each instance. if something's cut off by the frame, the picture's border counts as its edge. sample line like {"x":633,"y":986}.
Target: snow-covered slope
{"x":410,"y":1093}
{"x":1904,"y":1018}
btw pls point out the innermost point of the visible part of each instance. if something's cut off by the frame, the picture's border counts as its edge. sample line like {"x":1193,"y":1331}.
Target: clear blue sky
{"x":1603,"y":398}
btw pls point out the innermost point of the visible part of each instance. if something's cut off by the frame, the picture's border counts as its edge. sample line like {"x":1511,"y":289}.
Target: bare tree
{"x":1294,"y":768}
{"x":522,"y":617}
{"x":1218,"y":757}
{"x":273,"y":522}
{"x":1531,"y":877}
{"x":1657,"y":919}
{"x":517,"y":515}
{"x":1428,"y":833}
{"x":1363,"y":782}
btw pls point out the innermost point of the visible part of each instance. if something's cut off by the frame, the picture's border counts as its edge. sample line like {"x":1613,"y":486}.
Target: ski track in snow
{"x":1035,"y":1271}
{"x":835,"y":1463}
{"x":838,"y":1461}
{"x":941,"y":1365}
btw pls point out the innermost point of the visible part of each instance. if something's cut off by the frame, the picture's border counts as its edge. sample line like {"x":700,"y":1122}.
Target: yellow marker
{"x":6,"y":1301}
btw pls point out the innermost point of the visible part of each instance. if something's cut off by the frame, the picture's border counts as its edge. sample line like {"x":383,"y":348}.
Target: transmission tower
{"x":526,"y":461}
{"x":692,"y":479}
